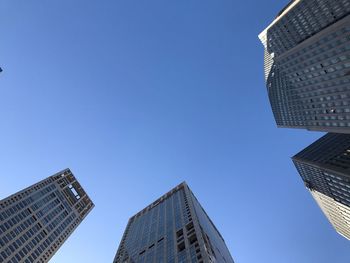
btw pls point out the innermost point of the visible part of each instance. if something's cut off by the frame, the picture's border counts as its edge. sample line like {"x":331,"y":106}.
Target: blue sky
{"x":137,"y":96}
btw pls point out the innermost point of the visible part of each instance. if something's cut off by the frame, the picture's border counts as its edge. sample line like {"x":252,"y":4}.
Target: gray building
{"x":36,"y":221}
{"x":174,"y":228}
{"x":307,"y":65}
{"x":324,"y":167}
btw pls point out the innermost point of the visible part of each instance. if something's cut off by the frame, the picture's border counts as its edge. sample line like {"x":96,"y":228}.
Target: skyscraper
{"x":174,"y":228}
{"x":36,"y":221}
{"x":324,"y":167}
{"x":307,"y":65}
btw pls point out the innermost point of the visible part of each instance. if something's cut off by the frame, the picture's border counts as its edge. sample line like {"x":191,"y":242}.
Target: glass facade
{"x":324,"y":167}
{"x":35,"y":222}
{"x":172,"y":229}
{"x":213,"y":241}
{"x":307,"y":65}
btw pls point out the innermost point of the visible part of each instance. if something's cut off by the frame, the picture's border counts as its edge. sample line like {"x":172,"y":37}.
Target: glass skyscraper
{"x":36,"y":221}
{"x":324,"y":167}
{"x":307,"y":65}
{"x":174,"y":228}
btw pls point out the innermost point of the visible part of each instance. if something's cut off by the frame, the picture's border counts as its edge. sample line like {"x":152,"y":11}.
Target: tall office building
{"x":324,"y":167}
{"x":174,"y":228}
{"x":36,"y":221}
{"x":307,"y":65}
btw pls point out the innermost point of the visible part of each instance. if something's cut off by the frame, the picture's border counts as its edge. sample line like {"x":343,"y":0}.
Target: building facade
{"x":324,"y":167}
{"x":174,"y":228}
{"x":36,"y":221}
{"x":307,"y":65}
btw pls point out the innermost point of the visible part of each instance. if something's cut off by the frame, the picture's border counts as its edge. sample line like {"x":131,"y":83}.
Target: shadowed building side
{"x":324,"y":167}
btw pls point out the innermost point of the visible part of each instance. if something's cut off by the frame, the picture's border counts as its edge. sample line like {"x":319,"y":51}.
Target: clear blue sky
{"x":137,"y":96}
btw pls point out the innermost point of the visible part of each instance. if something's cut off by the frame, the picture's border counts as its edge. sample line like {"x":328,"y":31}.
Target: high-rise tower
{"x":36,"y":221}
{"x":307,"y":65}
{"x":174,"y":228}
{"x":324,"y":167}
